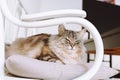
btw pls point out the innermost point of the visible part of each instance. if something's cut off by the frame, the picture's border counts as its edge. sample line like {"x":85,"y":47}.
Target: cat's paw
{"x":58,"y":61}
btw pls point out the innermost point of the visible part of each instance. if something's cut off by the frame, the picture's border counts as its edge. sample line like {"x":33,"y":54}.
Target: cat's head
{"x":69,"y":39}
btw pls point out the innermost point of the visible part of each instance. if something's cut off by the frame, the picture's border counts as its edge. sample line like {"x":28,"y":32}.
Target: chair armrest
{"x":53,"y":14}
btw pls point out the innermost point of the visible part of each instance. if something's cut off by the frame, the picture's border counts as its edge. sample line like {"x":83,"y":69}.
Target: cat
{"x":66,"y":47}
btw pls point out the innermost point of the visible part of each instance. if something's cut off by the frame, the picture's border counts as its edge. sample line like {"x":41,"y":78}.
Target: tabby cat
{"x":65,"y":47}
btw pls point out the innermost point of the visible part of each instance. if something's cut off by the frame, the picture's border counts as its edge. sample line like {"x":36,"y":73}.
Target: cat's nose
{"x":72,"y":47}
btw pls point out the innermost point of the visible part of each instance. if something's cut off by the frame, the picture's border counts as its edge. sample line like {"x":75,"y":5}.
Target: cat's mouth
{"x":72,"y":48}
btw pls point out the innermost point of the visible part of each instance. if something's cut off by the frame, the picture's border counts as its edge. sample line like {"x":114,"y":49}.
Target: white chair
{"x":51,"y":18}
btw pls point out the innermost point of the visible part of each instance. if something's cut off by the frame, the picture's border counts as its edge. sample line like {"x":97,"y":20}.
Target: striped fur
{"x":64,"y":47}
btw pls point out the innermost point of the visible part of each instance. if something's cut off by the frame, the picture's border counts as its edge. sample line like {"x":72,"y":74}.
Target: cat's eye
{"x":66,"y":41}
{"x":77,"y":42}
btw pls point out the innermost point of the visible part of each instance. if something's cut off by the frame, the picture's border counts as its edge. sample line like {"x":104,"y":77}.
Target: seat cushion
{"x":33,"y":68}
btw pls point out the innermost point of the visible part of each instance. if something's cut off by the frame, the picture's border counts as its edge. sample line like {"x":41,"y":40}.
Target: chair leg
{"x":111,"y":61}
{"x":88,"y":58}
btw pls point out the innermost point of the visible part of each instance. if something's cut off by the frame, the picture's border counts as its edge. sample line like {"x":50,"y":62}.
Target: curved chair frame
{"x":53,"y":18}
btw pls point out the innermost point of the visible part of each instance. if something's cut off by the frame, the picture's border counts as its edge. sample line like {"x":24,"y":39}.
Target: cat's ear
{"x":61,"y":29}
{"x":82,"y":32}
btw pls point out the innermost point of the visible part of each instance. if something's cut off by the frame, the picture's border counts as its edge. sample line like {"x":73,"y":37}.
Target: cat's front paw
{"x":58,"y":61}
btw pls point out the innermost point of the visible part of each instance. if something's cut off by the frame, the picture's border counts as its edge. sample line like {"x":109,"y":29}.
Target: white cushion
{"x":33,"y":68}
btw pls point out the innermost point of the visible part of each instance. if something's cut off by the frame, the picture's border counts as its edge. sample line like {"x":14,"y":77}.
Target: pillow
{"x":33,"y":68}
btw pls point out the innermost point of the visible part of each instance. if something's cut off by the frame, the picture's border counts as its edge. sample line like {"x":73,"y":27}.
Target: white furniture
{"x":53,"y":18}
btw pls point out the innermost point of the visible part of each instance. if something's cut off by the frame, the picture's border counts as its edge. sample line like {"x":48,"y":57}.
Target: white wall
{"x":117,"y":2}
{"x":47,"y":5}
{"x":34,"y":6}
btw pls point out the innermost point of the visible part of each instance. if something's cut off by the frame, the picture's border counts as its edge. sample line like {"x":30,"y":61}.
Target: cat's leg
{"x":59,"y":61}
{"x":34,"y":53}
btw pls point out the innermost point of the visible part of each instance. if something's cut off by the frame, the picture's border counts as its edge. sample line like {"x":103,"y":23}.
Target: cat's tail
{"x":7,"y":46}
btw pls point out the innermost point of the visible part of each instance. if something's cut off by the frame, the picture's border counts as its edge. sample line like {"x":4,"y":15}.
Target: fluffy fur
{"x":65,"y":47}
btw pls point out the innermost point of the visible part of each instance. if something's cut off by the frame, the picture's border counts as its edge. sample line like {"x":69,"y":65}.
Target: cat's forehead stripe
{"x":71,"y":34}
